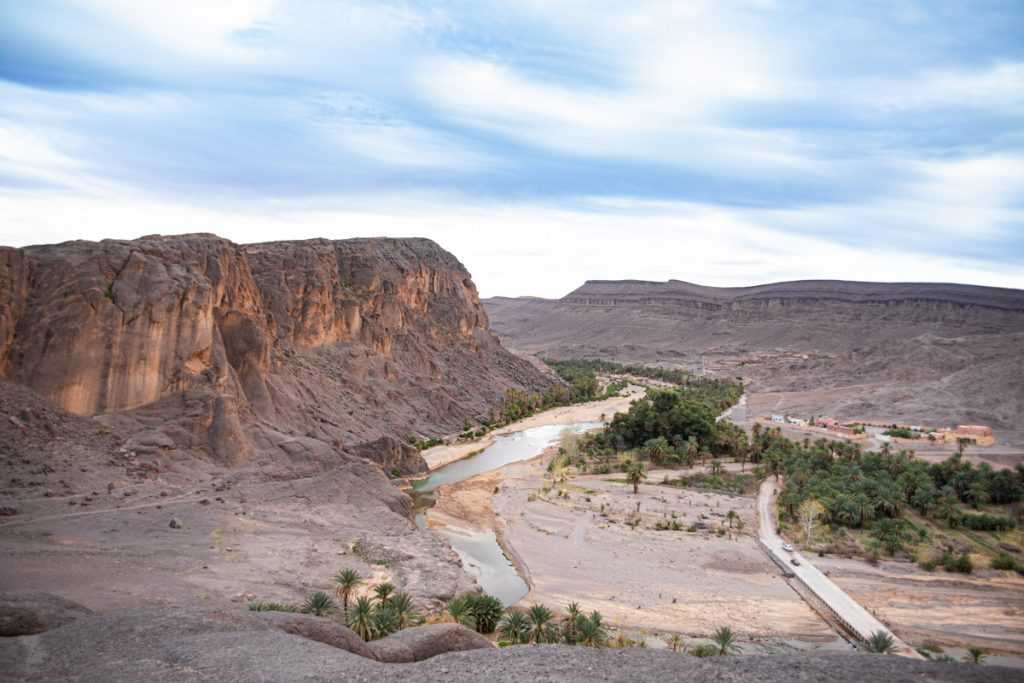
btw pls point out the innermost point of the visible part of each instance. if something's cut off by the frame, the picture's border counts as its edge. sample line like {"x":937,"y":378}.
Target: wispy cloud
{"x":817,"y":133}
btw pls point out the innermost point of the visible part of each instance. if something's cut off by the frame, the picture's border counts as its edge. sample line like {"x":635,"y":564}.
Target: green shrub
{"x":985,"y":522}
{"x":318,"y":603}
{"x":880,"y":643}
{"x":960,"y":564}
{"x":1006,"y":563}
{"x":269,"y":606}
{"x":704,"y":650}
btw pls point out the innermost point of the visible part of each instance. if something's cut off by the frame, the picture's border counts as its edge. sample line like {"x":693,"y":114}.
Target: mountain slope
{"x":935,"y":353}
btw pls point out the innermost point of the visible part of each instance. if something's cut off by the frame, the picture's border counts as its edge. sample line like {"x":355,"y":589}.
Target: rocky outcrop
{"x":227,"y":349}
{"x":320,"y":629}
{"x":169,"y":644}
{"x":423,"y":642}
{"x":25,"y":614}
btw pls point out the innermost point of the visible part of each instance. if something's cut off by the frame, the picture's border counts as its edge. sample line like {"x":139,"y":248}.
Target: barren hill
{"x":260,"y":395}
{"x":932,"y":353}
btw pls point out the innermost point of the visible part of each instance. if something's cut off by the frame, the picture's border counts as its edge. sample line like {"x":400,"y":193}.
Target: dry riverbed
{"x":580,"y":547}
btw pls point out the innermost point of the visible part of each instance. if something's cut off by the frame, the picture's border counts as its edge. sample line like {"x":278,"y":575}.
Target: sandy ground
{"x":439,"y":456}
{"x":985,"y":609}
{"x":644,"y":579}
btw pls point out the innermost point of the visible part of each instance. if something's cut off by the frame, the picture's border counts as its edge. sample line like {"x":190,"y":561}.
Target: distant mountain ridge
{"x":931,"y":353}
{"x":603,"y":292}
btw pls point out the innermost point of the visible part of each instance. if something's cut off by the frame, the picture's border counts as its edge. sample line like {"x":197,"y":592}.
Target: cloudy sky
{"x":544,"y":142}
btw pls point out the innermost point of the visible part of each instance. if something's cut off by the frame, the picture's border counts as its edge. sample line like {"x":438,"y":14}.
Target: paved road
{"x":849,"y":610}
{"x":736,"y":413}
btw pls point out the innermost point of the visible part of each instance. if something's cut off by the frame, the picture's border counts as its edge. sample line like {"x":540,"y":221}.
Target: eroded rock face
{"x":24,"y":614}
{"x":423,"y":642}
{"x":307,"y":348}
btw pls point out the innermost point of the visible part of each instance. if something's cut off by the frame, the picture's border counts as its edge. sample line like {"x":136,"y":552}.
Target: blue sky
{"x":542,"y":141}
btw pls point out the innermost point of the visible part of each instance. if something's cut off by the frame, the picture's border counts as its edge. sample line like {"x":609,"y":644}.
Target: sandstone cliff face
{"x":302,"y":348}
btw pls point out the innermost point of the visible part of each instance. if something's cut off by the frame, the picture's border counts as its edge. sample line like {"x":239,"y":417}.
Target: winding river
{"x":480,"y":552}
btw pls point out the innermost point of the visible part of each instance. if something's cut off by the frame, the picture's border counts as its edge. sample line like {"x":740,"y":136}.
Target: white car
{"x":787,"y":547}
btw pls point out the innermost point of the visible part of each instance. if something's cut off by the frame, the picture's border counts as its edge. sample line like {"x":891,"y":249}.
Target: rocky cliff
{"x":234,"y":349}
{"x":188,"y":420}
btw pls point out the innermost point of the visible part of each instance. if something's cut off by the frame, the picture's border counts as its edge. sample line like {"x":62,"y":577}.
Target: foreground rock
{"x":153,"y":644}
{"x":23,"y":614}
{"x":423,"y":642}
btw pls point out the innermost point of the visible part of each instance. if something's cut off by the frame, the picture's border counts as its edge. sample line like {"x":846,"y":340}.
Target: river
{"x":480,"y":552}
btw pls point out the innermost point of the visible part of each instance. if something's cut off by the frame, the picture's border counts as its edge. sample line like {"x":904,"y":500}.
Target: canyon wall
{"x":307,"y":348}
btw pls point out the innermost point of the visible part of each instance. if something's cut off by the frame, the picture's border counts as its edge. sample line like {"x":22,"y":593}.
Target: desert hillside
{"x":932,"y":353}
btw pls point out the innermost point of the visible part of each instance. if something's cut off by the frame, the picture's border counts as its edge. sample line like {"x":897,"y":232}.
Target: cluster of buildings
{"x":826,"y":425}
{"x":979,"y":435}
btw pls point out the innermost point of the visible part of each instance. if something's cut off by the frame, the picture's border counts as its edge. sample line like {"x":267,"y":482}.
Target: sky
{"x":543,"y":142}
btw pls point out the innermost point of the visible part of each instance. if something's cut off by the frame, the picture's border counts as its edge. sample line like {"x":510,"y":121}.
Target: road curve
{"x":855,"y":617}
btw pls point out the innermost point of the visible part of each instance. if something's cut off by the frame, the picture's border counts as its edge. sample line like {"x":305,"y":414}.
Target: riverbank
{"x":445,"y":454}
{"x":583,"y":546}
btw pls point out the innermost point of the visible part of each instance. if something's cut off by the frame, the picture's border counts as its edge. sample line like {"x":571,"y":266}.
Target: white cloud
{"x":196,"y":28}
{"x":520,"y":249}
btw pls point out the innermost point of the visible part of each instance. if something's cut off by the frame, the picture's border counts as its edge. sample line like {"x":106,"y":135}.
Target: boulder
{"x":320,"y":629}
{"x":24,"y":614}
{"x":424,"y":642}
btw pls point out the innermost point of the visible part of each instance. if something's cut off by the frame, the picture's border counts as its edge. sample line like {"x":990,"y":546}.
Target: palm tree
{"x":591,"y":632}
{"x":404,"y":609}
{"x":716,"y":467}
{"x":675,"y":642}
{"x":539,"y":618}
{"x":635,"y":473}
{"x":731,"y":516}
{"x":573,"y":615}
{"x":725,"y":640}
{"x":318,"y":603}
{"x":975,"y":655}
{"x":487,"y":611}
{"x":515,"y":627}
{"x":361,"y":620}
{"x":880,"y":643}
{"x":346,"y":581}
{"x":461,"y":609}
{"x":383,"y":592}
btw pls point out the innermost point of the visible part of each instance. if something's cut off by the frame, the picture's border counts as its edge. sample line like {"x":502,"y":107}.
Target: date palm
{"x":725,"y":641}
{"x":318,"y":603}
{"x":636,"y":473}
{"x":515,"y":627}
{"x":461,"y":610}
{"x":361,"y":620}
{"x":591,"y":632}
{"x":383,"y":592}
{"x":346,"y":581}
{"x":572,"y":616}
{"x":880,"y":643}
{"x":539,"y":616}
{"x":975,"y":655}
{"x":405,"y":611}
{"x":675,"y":642}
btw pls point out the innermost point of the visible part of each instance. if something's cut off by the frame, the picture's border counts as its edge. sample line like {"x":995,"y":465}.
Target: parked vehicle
{"x":787,"y":547}
{"x":795,"y":562}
